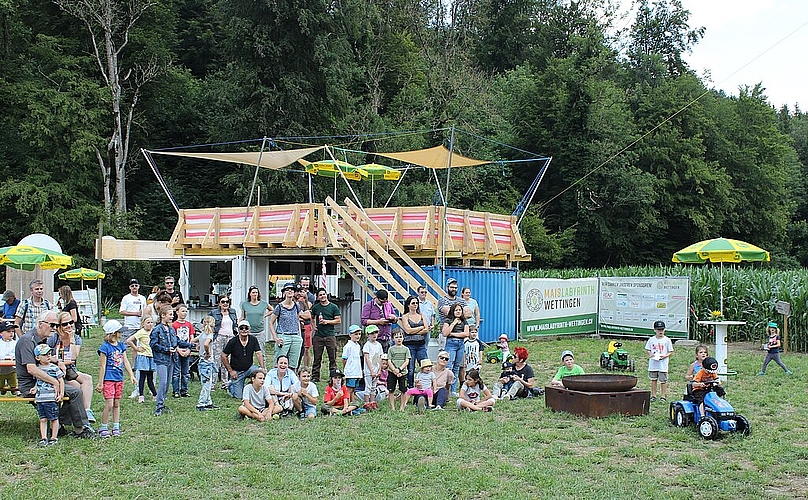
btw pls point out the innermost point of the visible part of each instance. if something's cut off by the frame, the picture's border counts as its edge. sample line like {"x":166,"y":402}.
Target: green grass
{"x":521,"y":450}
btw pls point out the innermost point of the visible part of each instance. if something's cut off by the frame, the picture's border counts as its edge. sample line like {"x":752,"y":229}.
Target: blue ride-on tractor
{"x":719,"y":415}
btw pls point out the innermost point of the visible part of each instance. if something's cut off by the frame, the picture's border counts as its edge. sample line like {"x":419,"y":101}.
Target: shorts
{"x":352,"y":383}
{"x":392,"y":380}
{"x":307,"y":335}
{"x":310,"y":409}
{"x":49,"y":410}
{"x":114,"y":390}
{"x":657,"y":375}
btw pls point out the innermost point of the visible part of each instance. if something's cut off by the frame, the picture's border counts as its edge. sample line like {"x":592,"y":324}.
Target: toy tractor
{"x":494,"y":355}
{"x":616,"y":358}
{"x":719,"y":416}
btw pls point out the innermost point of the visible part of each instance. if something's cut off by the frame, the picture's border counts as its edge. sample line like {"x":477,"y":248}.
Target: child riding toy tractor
{"x":616,"y":358}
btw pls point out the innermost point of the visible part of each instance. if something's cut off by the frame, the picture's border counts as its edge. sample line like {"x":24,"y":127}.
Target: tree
{"x":109,"y":23}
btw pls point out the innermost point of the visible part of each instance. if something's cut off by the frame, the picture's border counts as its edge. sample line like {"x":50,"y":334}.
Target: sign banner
{"x":630,"y":306}
{"x":558,"y":307}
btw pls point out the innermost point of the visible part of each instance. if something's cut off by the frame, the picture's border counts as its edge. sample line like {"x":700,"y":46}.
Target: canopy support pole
{"x":396,"y":187}
{"x":342,"y":175}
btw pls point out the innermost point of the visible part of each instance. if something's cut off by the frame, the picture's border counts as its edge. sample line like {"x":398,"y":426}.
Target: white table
{"x":720,"y":353}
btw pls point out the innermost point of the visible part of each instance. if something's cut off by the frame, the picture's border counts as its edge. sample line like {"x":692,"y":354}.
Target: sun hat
{"x":566,"y":353}
{"x":503,"y":336}
{"x":426,"y":362}
{"x":112,"y":326}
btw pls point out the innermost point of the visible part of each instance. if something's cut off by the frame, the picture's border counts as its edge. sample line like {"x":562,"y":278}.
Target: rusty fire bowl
{"x":599,"y":383}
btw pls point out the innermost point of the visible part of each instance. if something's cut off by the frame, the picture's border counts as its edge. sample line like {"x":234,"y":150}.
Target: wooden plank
{"x":292,"y":228}
{"x":489,"y":234}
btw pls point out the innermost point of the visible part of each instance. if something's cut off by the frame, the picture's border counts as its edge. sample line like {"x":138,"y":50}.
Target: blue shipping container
{"x":494,"y":289}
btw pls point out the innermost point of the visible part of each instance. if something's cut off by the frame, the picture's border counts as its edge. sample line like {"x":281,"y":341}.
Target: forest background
{"x":646,"y":158}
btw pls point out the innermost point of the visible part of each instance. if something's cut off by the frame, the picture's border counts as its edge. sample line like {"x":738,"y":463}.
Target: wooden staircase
{"x":371,"y":256}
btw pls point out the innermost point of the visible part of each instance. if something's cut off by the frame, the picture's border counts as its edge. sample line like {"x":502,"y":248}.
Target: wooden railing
{"x":423,"y":232}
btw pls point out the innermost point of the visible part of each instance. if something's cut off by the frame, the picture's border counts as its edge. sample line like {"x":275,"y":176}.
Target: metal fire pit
{"x":599,"y":382}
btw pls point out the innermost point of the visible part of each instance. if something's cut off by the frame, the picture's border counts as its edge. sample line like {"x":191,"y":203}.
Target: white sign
{"x":630,"y":306}
{"x":783,"y":308}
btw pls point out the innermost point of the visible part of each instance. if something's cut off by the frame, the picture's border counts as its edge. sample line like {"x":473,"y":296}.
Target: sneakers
{"x":455,"y":394}
{"x":653,"y":399}
{"x":276,"y":417}
{"x":421,"y":404}
{"x":357,"y":411}
{"x":789,"y":372}
{"x":42,"y":443}
{"x":202,"y":408}
{"x":440,"y":408}
{"x":116,"y":432}
{"x":184,"y":395}
{"x":87,"y":432}
{"x":141,"y":399}
{"x":505,"y":397}
{"x":663,"y":399}
{"x":158,"y":412}
{"x":488,"y":408}
{"x":301,"y":415}
{"x":135,"y":394}
{"x":212,"y":407}
{"x":761,"y":373}
{"x":53,"y":442}
{"x":176,"y":394}
{"x":104,"y":433}
{"x":90,"y":416}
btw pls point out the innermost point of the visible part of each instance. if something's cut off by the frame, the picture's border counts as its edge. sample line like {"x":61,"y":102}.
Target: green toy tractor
{"x":616,"y":358}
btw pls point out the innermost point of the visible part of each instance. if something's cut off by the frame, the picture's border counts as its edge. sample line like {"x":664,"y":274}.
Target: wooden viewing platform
{"x":426,"y":233}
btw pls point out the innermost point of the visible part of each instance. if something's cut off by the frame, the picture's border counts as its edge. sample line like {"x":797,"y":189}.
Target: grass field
{"x":521,"y":450}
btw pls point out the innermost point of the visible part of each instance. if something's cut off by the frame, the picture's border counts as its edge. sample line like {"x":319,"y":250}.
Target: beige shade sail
{"x":268,"y":159}
{"x":437,"y":157}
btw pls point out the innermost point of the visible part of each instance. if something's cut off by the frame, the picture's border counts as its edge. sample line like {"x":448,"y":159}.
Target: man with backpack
{"x":32,"y":307}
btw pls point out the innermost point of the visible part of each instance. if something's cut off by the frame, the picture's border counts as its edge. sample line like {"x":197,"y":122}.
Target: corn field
{"x":750,"y":294}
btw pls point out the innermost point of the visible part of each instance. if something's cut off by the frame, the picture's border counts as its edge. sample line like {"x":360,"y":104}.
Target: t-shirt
{"x":351,"y":353}
{"x":226,"y":329}
{"x":374,"y":351}
{"x":330,"y":392}
{"x":704,"y":376}
{"x":44,"y":391}
{"x":566,"y":372}
{"x":63,"y":352}
{"x":7,"y":352}
{"x":241,"y":356}
{"x":203,"y":354}
{"x":287,"y":321}
{"x":443,"y":378}
{"x":329,"y":311}
{"x":258,"y":399}
{"x":526,"y":372}
{"x":772,"y":341}
{"x":254,"y":314}
{"x":398,"y":355}
{"x":141,"y":339}
{"x":133,"y":303}
{"x":9,"y":310}
{"x":115,"y":354}
{"x":472,"y":350}
{"x":473,"y":393}
{"x":29,"y":312}
{"x":425,"y":379}
{"x":446,"y":301}
{"x":428,"y":310}
{"x":311,"y":390}
{"x":24,"y":355}
{"x":472,"y":304}
{"x":658,"y":346}
{"x":185,"y":330}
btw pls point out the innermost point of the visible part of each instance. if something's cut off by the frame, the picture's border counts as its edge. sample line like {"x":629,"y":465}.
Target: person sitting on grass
{"x":337,"y":400}
{"x":256,"y":401}
{"x":474,"y":395}
{"x":706,"y":380}
{"x":568,"y":368}
{"x":424,"y":385}
{"x":305,"y":395}
{"x":520,"y":378}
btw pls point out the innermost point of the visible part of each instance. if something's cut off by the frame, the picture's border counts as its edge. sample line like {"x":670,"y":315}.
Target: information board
{"x":630,"y":306}
{"x":558,"y":307}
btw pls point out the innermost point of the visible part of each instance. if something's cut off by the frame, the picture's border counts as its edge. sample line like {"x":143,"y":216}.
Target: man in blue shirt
{"x":10,"y":304}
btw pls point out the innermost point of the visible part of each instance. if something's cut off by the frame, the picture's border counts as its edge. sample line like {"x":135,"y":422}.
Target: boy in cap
{"x":568,"y":368}
{"x":48,"y":396}
{"x":659,"y":349}
{"x":352,"y":360}
{"x":8,"y":374}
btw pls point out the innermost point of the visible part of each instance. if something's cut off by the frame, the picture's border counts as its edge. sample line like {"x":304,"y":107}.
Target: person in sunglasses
{"x":224,"y":328}
{"x":68,"y":305}
{"x":237,"y":358}
{"x":66,"y":346}
{"x":443,"y":380}
{"x":133,"y":305}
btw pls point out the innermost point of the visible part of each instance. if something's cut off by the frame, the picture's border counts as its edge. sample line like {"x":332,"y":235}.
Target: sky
{"x":737,"y":32}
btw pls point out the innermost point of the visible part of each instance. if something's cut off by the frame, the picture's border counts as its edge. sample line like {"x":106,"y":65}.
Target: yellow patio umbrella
{"x":27,"y":257}
{"x":331,"y":168}
{"x":379,"y":172}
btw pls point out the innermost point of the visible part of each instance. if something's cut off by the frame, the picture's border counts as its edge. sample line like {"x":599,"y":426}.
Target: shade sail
{"x":437,"y":157}
{"x":268,"y":159}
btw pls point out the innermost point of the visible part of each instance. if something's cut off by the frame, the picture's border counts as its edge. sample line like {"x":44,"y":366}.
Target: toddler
{"x":48,"y":396}
{"x":706,"y":380}
{"x":336,"y":400}
{"x":696,"y":365}
{"x":110,"y":377}
{"x":773,"y":346}
{"x":424,"y":385}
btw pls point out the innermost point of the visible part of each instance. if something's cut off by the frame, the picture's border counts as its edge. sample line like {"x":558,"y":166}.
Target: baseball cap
{"x":772,"y":324}
{"x":659,"y":325}
{"x":8,"y":294}
{"x":566,"y":353}
{"x":371,"y":329}
{"x":336,"y":372}
{"x":7,"y":325}
{"x":41,"y":350}
{"x":133,"y":281}
{"x":354,"y":328}
{"x":243,"y":322}
{"x":112,"y":326}
{"x":450,"y":281}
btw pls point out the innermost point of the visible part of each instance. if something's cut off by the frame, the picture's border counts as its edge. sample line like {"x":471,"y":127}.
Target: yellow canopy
{"x":268,"y":159}
{"x":437,"y":157}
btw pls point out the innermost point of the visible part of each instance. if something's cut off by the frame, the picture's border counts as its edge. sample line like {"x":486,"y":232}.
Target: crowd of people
{"x":391,"y":364}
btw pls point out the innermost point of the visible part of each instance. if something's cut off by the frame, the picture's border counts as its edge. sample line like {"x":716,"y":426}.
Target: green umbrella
{"x":379,"y":172}
{"x":26,"y":257}
{"x":82,"y":273}
{"x":721,"y":250}
{"x":331,"y":168}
